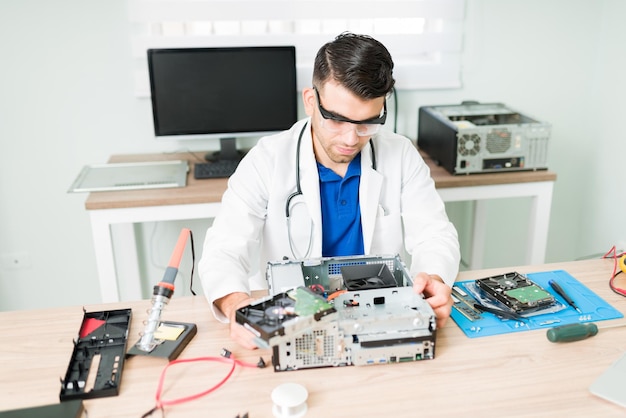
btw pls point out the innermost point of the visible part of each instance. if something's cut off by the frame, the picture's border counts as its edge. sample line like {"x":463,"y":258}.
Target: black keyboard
{"x":217,"y":169}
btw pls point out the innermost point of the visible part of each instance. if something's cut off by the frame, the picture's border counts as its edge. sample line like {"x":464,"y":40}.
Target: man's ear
{"x":309,"y":100}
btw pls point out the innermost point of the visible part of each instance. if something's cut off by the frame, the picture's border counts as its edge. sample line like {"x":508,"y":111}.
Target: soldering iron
{"x":162,"y":292}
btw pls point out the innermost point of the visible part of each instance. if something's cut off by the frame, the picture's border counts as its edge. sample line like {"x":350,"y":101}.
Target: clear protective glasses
{"x":340,"y":124}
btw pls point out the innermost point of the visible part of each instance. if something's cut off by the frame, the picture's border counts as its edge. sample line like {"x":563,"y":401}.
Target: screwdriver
{"x":558,"y":289}
{"x":575,"y":332}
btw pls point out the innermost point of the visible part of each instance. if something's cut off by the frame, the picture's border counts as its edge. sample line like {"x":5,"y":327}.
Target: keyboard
{"x":217,"y":169}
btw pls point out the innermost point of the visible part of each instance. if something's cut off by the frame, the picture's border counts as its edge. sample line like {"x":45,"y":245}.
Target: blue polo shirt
{"x":342,"y":233}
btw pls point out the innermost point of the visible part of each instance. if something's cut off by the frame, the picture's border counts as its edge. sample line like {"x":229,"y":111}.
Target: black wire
{"x":298,"y":187}
{"x":614,"y":288}
{"x":152,"y":411}
{"x":394,"y":92}
{"x":193,"y":263}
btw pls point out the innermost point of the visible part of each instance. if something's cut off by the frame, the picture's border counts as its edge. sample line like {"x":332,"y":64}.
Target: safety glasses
{"x":340,"y":124}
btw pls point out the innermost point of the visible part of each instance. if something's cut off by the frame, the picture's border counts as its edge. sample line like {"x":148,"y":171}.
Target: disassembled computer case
{"x":341,"y":311}
{"x":95,"y":369}
{"x":482,"y":138}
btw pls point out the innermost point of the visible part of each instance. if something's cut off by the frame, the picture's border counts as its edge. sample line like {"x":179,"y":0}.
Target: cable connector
{"x":225,"y":353}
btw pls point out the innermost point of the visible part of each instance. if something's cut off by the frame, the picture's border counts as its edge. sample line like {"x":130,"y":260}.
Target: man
{"x":334,"y":184}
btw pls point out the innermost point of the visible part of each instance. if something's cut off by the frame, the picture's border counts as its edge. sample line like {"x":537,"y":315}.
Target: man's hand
{"x":229,"y":305}
{"x":437,"y":294}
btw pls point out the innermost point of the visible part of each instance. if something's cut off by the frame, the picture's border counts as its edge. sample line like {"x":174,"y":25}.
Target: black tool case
{"x":95,"y":369}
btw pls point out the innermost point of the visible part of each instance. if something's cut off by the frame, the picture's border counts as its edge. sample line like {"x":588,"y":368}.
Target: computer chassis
{"x":341,"y":311}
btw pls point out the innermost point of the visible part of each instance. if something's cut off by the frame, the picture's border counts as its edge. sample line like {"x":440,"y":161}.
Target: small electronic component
{"x":516,"y":292}
{"x":464,"y":303}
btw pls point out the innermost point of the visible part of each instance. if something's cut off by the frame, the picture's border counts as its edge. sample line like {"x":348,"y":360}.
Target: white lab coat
{"x":399,"y":205}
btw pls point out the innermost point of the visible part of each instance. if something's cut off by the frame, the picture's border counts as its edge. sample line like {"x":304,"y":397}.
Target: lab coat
{"x":401,"y":213}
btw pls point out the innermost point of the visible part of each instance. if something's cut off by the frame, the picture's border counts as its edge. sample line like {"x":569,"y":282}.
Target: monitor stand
{"x":228,"y":151}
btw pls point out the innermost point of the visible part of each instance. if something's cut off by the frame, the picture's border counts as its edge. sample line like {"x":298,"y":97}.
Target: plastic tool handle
{"x":572,"y":332}
{"x":177,"y":255}
{"x":558,"y":289}
{"x":172,"y":269}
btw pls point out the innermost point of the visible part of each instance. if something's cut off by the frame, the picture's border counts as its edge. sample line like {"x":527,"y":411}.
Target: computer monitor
{"x":222,"y":93}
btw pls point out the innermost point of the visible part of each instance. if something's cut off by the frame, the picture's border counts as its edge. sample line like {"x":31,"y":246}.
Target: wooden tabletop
{"x":520,"y":374}
{"x":211,"y":190}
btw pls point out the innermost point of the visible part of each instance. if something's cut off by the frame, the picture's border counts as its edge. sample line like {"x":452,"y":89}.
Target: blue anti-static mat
{"x":593,"y":308}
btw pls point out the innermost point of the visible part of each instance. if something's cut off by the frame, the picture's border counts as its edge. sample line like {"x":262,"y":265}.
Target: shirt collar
{"x":354,"y":169}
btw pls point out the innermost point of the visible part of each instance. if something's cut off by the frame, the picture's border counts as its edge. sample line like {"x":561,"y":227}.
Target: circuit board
{"x":516,"y":292}
{"x":464,"y":304}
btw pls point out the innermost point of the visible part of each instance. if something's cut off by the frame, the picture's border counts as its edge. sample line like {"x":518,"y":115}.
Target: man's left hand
{"x":437,"y":294}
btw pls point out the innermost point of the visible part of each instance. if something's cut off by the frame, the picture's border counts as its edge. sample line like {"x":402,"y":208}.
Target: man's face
{"x":336,"y":143}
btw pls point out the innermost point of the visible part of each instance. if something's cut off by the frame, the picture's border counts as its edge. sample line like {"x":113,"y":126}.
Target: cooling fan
{"x":498,"y":140}
{"x":469,"y":144}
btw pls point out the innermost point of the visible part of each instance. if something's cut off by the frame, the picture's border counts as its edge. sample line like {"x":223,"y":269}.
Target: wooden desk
{"x":200,"y":199}
{"x":520,"y":374}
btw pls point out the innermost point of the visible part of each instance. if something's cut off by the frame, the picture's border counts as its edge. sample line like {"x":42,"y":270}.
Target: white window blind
{"x":425,"y":37}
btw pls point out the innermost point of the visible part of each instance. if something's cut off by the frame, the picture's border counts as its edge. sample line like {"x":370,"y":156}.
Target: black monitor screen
{"x":222,"y":91}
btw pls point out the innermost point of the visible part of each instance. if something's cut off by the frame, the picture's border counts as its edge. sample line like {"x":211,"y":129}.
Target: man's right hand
{"x":229,"y":305}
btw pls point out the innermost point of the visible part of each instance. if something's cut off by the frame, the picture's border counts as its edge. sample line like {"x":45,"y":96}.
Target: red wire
{"x":615,"y":256}
{"x":161,"y":403}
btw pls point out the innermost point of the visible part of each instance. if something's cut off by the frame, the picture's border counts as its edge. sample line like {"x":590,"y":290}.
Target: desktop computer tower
{"x":482,"y":138}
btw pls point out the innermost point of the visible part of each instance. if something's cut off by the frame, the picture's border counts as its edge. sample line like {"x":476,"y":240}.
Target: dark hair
{"x":359,"y":63}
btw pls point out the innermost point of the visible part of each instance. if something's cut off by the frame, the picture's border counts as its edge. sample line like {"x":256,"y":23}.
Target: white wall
{"x":66,"y":100}
{"x":603,"y":202}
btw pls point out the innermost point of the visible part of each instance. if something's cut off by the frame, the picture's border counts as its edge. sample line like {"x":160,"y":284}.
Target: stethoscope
{"x":298,"y":192}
